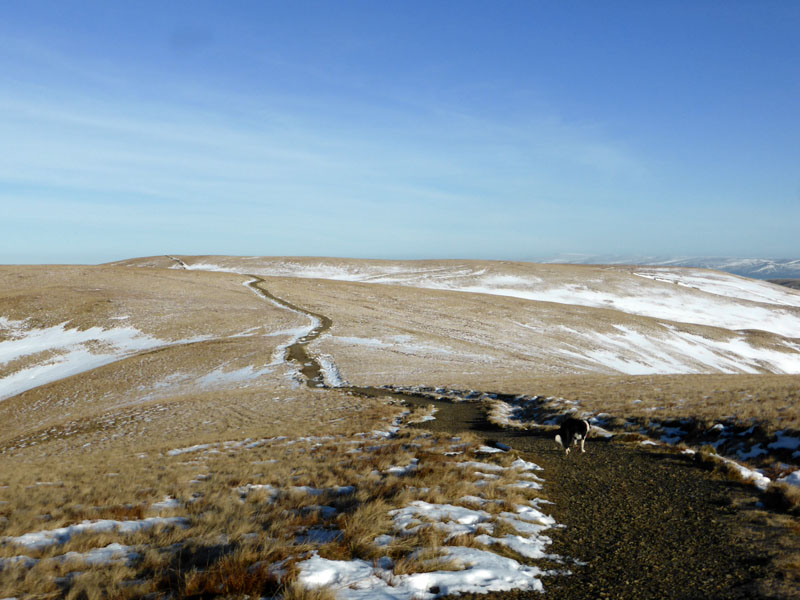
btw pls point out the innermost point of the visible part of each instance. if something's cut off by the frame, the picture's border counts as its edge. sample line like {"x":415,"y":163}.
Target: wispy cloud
{"x":89,"y":150}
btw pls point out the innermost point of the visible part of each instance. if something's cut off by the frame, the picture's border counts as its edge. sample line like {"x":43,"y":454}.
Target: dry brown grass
{"x":245,"y":571}
{"x":452,"y":340}
{"x":237,"y":533}
{"x":404,"y":335}
{"x":772,"y":399}
{"x":58,"y":483}
{"x":768,"y":400}
{"x":363,"y":525}
{"x":170,"y":304}
{"x":295,"y":591}
{"x":426,"y":560}
{"x":98,"y":445}
{"x":784,"y":497}
{"x":447,"y":339}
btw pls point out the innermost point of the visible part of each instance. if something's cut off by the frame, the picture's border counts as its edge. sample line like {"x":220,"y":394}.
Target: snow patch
{"x":225,"y":378}
{"x":669,"y":350}
{"x":757,"y":478}
{"x":481,"y":572}
{"x":331,"y":373}
{"x":785,"y":442}
{"x":167,"y":503}
{"x":110,"y":554}
{"x":50,"y":537}
{"x":791,"y":479}
{"x":75,"y":351}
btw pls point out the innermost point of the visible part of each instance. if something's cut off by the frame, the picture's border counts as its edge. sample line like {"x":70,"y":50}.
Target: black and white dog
{"x":572,"y":431}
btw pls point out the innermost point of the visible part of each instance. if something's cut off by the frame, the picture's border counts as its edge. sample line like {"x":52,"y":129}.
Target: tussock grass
{"x":249,"y":503}
{"x":784,"y":497}
{"x":295,"y":591}
{"x":98,"y":584}
{"x":426,"y":560}
{"x":228,"y":530}
{"x":363,"y":525}
{"x":245,"y":571}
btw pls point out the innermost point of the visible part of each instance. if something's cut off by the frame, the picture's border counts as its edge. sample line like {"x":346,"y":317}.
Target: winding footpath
{"x":641,"y":522}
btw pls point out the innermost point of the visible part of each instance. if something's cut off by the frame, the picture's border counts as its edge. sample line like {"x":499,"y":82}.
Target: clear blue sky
{"x":398,"y":129}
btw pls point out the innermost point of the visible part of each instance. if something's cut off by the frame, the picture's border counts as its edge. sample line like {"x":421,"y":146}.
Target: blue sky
{"x":501,"y":130}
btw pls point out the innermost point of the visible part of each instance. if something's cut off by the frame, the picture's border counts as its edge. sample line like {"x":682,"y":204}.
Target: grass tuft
{"x":783,"y":497}
{"x":296,"y":591}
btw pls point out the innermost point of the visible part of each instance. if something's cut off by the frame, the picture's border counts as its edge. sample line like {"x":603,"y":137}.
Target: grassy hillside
{"x":158,"y":397}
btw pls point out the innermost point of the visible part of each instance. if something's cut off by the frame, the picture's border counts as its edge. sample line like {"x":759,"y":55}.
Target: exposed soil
{"x":638,"y":521}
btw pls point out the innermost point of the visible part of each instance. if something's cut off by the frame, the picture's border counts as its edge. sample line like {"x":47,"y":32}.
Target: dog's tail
{"x":558,"y":439}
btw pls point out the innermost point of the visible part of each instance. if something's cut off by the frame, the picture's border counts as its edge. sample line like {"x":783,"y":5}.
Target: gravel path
{"x":646,"y":523}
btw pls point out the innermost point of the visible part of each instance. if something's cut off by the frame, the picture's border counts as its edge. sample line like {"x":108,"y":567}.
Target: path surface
{"x":298,"y":352}
{"x":644,"y":523}
{"x":647,"y":523}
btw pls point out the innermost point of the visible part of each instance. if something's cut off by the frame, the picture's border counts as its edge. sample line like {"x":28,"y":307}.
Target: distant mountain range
{"x":757,"y":268}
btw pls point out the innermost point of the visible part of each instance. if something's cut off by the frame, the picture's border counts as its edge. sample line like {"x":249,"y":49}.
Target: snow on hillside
{"x":668,"y":350}
{"x":759,"y":268}
{"x":684,"y":295}
{"x":34,"y":356}
{"x":725,"y":285}
{"x":672,"y":297}
{"x":64,"y":351}
{"x":701,"y":303}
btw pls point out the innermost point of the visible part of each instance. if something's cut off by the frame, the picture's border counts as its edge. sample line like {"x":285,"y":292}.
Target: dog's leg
{"x":586,"y":436}
{"x":583,"y":439}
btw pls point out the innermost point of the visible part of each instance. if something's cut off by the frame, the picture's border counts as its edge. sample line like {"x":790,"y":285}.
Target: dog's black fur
{"x":573,"y":431}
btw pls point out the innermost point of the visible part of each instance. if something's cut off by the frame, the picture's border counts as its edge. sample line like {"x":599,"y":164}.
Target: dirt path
{"x":642,"y":522}
{"x":298,"y":352}
{"x":647,"y":523}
